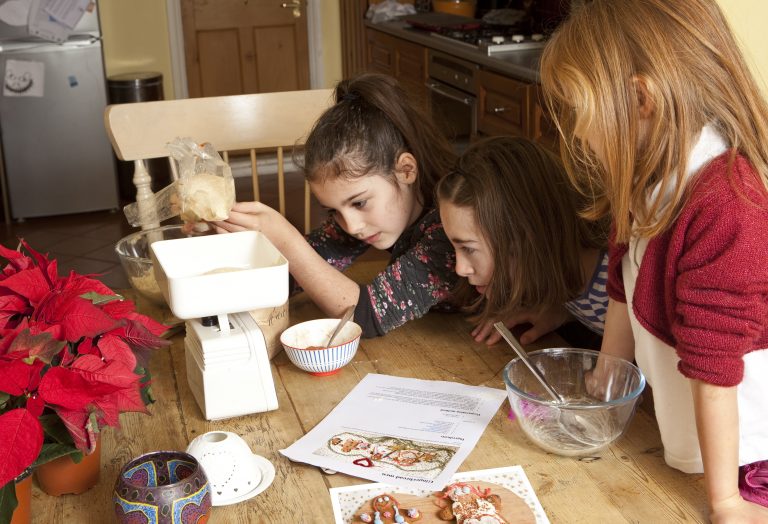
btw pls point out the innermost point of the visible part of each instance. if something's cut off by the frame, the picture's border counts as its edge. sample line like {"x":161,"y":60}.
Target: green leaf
{"x":55,"y":450}
{"x":97,"y":299}
{"x":55,"y":430}
{"x":8,"y":502}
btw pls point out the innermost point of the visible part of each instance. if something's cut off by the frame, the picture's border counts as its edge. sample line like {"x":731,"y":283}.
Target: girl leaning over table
{"x":667,"y":129}
{"x":522,"y":250}
{"x":372,"y":160}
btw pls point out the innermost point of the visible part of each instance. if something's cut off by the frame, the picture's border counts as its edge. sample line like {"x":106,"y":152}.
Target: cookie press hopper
{"x":213,"y":282}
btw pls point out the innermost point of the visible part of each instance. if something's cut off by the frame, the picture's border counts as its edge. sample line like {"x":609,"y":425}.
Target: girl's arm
{"x":618,"y":339}
{"x":717,"y":425}
{"x":329,"y":289}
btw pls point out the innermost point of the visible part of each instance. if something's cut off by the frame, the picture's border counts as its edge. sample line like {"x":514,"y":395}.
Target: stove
{"x":496,"y":34}
{"x":492,"y":39}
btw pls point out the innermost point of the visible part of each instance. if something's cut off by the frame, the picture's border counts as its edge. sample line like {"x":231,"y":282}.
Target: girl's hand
{"x":543,"y":322}
{"x":253,"y":216}
{"x":737,"y":510}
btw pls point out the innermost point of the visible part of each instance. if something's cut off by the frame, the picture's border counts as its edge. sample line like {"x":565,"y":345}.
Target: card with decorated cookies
{"x":491,"y":496}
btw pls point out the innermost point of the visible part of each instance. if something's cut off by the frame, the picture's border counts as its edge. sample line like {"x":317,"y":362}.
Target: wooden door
{"x":237,"y":47}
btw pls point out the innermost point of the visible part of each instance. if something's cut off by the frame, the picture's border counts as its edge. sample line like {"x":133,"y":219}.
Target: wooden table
{"x":629,"y":482}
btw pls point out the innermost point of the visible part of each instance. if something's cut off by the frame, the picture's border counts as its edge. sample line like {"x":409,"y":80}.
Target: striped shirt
{"x":591,"y":306}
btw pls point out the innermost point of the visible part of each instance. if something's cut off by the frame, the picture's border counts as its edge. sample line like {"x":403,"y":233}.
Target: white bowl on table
{"x":304,"y":344}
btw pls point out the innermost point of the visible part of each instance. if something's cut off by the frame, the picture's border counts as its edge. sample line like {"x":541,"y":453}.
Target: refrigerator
{"x":57,"y":158}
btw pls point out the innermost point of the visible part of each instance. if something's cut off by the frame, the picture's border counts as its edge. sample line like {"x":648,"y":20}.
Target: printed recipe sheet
{"x":401,"y":431}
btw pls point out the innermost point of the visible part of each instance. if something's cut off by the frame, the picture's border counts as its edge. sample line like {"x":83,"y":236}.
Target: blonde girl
{"x":372,"y":161}
{"x":524,"y":253}
{"x":663,"y":125}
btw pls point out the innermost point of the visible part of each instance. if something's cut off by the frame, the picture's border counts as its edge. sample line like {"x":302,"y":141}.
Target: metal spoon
{"x":344,"y":319}
{"x":512,"y":341}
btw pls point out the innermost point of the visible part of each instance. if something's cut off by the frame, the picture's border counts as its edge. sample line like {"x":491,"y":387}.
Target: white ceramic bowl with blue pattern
{"x":304,"y":344}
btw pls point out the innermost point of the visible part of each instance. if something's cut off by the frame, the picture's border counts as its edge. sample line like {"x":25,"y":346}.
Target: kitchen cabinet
{"x":404,"y":60}
{"x":503,"y":105}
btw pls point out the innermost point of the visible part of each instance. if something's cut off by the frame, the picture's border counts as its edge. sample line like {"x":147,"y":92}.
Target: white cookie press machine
{"x":213,"y":282}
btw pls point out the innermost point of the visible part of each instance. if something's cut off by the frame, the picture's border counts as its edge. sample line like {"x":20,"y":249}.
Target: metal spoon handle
{"x":512,"y":341}
{"x":344,"y":319}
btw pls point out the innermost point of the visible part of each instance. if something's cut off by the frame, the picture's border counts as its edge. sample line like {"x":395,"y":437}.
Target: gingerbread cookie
{"x":470,"y":505}
{"x":385,"y":509}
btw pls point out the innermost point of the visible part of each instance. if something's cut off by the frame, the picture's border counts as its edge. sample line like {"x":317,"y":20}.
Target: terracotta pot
{"x":162,"y":487}
{"x":62,"y":476}
{"x":24,"y":498}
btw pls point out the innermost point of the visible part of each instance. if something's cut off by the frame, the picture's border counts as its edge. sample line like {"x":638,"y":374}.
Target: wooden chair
{"x":257,"y":123}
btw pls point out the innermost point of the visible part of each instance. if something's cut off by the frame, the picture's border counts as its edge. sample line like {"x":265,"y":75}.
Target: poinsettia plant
{"x":73,"y":356}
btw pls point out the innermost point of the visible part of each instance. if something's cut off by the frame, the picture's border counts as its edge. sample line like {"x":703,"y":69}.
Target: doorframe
{"x":176,"y":41}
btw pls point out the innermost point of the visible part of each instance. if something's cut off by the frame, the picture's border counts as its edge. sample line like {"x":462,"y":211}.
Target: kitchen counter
{"x":521,"y":65}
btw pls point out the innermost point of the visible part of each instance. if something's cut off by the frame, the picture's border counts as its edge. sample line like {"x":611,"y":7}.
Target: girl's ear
{"x":645,"y":104}
{"x":406,"y":169}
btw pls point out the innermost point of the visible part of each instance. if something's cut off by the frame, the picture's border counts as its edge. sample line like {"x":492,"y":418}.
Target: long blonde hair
{"x":686,"y":56}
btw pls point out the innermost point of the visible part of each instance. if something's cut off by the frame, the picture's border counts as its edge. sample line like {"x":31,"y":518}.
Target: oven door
{"x":453,"y":110}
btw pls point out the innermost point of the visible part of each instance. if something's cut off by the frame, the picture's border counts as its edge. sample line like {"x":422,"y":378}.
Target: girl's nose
{"x":463,"y":267}
{"x":352,"y":224}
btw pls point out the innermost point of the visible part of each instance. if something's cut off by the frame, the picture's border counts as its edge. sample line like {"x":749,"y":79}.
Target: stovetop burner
{"x":493,"y":39}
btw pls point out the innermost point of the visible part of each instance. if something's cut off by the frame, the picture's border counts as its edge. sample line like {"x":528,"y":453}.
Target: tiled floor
{"x":83,"y":242}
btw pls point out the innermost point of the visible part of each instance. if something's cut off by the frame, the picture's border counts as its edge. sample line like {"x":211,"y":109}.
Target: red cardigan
{"x":702,"y":287}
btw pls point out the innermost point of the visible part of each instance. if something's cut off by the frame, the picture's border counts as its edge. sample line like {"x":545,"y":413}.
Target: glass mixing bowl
{"x":133,"y":251}
{"x":600,"y":393}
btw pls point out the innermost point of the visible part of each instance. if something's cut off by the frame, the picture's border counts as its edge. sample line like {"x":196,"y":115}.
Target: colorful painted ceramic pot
{"x":162,"y":487}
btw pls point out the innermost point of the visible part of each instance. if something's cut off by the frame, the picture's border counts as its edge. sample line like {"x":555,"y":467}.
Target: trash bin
{"x":138,"y":87}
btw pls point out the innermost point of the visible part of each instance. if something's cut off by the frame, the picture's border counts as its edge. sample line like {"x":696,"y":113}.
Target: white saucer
{"x":267,"y":476}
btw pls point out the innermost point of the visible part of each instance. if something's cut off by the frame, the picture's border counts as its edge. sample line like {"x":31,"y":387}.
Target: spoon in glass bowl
{"x":512,"y":341}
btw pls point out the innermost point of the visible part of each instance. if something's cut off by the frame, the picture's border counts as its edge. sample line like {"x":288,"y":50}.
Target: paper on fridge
{"x":402,"y":431}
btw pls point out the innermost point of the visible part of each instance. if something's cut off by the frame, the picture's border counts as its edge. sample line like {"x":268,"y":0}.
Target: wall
{"x":747,"y":18}
{"x":136,"y":38}
{"x":331,"y":41}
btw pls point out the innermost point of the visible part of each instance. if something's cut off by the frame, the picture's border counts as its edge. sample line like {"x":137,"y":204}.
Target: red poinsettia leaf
{"x":77,"y":423}
{"x":30,"y":284}
{"x":113,"y":348}
{"x":17,"y":377}
{"x":11,"y":303}
{"x":87,"y":347}
{"x":42,"y":346}
{"x":139,"y":337}
{"x":95,"y":370}
{"x":35,"y":405}
{"x":120,"y":308}
{"x":81,"y":285}
{"x":69,"y":389}
{"x":21,"y":438}
{"x":121,"y":401}
{"x":47,"y":266}
{"x":17,"y":261}
{"x":78,"y":317}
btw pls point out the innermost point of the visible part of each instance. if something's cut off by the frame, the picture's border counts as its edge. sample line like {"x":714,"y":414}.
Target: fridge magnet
{"x":500,"y":495}
{"x":23,"y":78}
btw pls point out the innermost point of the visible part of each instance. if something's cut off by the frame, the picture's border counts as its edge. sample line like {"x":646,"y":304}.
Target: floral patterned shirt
{"x":420,"y":273}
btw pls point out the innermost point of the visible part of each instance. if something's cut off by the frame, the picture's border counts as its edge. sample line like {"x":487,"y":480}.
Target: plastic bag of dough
{"x":204,"y":191}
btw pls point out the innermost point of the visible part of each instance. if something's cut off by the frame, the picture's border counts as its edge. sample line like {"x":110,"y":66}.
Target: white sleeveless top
{"x":672,"y":398}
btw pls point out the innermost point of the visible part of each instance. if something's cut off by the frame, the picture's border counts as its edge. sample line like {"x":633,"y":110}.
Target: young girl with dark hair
{"x":372,"y":160}
{"x":524,"y":253}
